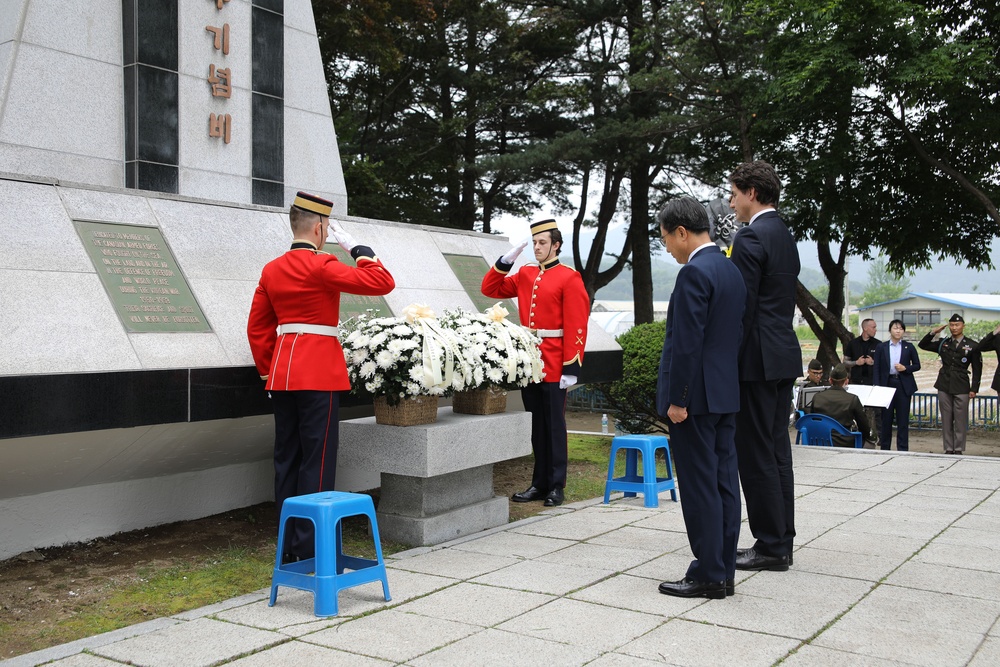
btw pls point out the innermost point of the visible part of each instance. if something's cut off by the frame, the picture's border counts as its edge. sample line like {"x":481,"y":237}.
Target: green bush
{"x":633,"y":397}
{"x":976,"y":330}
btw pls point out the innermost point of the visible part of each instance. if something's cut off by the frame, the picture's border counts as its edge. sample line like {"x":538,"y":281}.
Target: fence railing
{"x":924,"y":413}
{"x":984,"y":411}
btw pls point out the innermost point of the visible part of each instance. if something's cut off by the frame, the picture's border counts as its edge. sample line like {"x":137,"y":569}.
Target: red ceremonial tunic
{"x":303,"y":286}
{"x":549,"y":297}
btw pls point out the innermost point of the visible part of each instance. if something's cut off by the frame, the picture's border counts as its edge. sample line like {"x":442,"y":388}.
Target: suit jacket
{"x":549,"y":297}
{"x":907,"y":356}
{"x":698,"y":366}
{"x":303,"y":286}
{"x":991,"y":342}
{"x":847,"y":409}
{"x":766,"y":255}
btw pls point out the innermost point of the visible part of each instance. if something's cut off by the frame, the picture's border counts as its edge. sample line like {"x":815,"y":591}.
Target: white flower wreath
{"x":498,"y":352}
{"x":398,"y":357}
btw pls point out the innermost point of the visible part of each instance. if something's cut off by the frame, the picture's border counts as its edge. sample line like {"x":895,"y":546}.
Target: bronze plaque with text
{"x":142,"y":278}
{"x":470,"y":270}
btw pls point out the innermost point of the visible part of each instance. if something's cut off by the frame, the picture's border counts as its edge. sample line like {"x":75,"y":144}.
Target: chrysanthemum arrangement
{"x":419,"y":355}
{"x":498,"y":351}
{"x":399,"y":357}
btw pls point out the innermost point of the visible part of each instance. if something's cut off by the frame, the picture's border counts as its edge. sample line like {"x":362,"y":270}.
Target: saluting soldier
{"x":991,"y":341}
{"x":293,"y":332}
{"x":955,"y":391}
{"x":553,"y":302}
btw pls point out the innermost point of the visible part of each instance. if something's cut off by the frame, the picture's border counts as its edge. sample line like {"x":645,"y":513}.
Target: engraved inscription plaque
{"x":142,"y":278}
{"x":352,"y":305}
{"x":470,"y":270}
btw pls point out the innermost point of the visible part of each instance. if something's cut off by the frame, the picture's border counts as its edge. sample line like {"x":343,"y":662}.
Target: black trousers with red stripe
{"x":306,"y":433}
{"x":547,"y":404}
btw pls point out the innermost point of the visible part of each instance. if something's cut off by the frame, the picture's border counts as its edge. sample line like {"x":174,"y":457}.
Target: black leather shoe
{"x":531,"y":493}
{"x":730,"y":587}
{"x":689,"y":588}
{"x":555,"y":498}
{"x":742,"y":552}
{"x":749,"y":559}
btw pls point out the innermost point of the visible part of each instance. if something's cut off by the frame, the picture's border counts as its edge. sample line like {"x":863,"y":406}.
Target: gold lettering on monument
{"x":220,"y":126}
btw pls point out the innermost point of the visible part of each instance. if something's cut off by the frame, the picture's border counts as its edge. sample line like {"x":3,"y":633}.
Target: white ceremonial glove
{"x":567,"y":381}
{"x":344,"y":240}
{"x":512,"y":254}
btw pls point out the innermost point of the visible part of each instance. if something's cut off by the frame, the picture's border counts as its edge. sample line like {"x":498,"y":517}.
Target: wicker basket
{"x":410,"y":411}
{"x":488,"y":401}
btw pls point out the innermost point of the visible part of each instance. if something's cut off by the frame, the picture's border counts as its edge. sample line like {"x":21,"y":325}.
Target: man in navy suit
{"x":770,"y":361}
{"x":895,"y":362}
{"x":697,"y":390}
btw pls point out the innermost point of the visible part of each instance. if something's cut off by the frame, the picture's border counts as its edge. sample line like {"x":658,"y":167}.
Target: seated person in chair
{"x":843,"y":406}
{"x":813,"y":378}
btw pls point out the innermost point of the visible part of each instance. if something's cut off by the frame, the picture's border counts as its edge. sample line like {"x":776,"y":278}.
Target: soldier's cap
{"x":815,"y":365}
{"x":839,"y":372}
{"x":543,"y":226}
{"x":312,"y":203}
{"x":957,"y":318}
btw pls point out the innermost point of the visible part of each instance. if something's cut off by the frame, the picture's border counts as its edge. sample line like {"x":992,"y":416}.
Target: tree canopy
{"x":879,"y":116}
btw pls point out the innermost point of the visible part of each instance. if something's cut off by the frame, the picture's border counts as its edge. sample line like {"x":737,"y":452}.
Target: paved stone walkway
{"x":897,"y":562}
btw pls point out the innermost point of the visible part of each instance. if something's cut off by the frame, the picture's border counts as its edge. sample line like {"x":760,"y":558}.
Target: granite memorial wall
{"x":148,"y":153}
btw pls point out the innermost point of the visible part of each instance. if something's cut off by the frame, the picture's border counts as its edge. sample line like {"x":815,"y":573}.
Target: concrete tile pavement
{"x":896,"y":563}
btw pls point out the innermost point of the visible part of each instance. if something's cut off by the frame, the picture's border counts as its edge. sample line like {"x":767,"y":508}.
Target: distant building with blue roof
{"x":928,"y":309}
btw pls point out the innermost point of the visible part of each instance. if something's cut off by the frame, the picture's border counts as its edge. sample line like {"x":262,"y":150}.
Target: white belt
{"x":547,"y":333}
{"x":319,"y":329}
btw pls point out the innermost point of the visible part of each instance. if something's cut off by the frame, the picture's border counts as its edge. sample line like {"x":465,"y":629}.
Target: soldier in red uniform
{"x":553,"y":302}
{"x":292,"y":331}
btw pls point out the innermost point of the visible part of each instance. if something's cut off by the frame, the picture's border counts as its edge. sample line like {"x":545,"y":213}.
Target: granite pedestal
{"x":437,"y":479}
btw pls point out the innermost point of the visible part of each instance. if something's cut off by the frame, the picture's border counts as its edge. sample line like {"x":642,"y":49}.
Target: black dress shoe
{"x":742,"y":553}
{"x":555,"y":498}
{"x":730,"y":587}
{"x":749,"y":559}
{"x":531,"y":493}
{"x":689,"y":588}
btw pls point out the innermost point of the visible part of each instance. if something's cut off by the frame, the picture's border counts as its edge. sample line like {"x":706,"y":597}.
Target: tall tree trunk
{"x":642,"y":271}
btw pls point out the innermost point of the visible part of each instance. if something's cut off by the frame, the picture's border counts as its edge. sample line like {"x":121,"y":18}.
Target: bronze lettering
{"x":220,"y":126}
{"x":221,"y":40}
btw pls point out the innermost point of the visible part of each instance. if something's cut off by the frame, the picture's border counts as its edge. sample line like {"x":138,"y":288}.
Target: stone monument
{"x":148,"y":154}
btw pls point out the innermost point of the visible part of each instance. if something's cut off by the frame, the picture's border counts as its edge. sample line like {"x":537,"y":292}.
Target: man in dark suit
{"x":894,"y":363}
{"x":843,"y":406}
{"x":770,"y":361}
{"x":697,"y":391}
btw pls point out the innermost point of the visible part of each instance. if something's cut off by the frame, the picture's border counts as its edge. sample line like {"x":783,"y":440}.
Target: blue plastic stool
{"x":324,"y":575}
{"x":646,"y":483}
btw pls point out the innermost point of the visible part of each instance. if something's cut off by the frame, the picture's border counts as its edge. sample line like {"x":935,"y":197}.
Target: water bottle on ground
{"x":604,"y":423}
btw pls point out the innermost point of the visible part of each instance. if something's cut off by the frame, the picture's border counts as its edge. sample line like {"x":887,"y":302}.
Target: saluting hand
{"x":513,"y":253}
{"x":344,"y":240}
